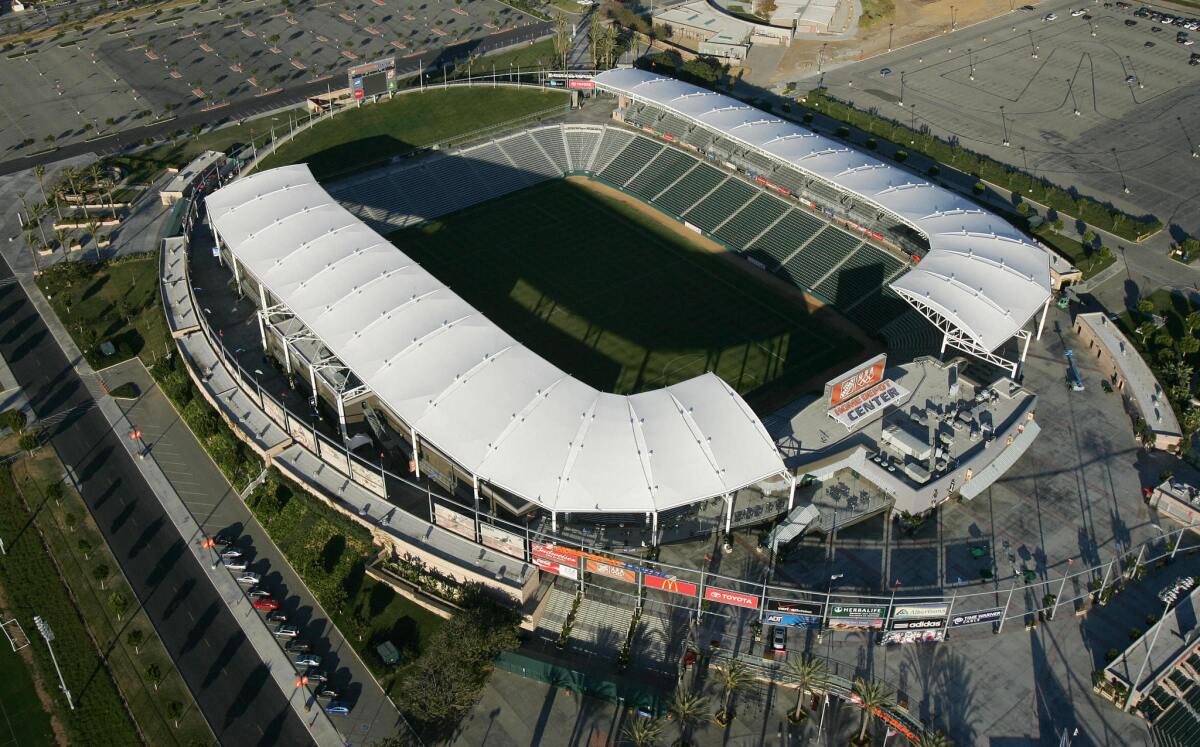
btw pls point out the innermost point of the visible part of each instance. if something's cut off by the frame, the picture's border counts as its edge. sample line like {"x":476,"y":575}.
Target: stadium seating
{"x":750,"y":221}
{"x":690,"y":189}
{"x":779,"y":242}
{"x":630,"y":161}
{"x":667,"y":168}
{"x":715,"y":209}
{"x":784,"y":237}
{"x":819,"y":256}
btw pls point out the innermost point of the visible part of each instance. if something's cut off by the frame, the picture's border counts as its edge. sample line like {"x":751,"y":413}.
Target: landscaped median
{"x":1065,"y":201}
{"x":57,"y":566}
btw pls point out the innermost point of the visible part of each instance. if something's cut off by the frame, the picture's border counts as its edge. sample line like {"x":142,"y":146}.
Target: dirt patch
{"x":828,"y":316}
{"x":913,"y":21}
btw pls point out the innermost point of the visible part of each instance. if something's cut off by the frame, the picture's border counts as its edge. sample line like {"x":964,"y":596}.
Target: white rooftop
{"x":700,"y":15}
{"x":1142,"y":387}
{"x":495,"y":407}
{"x":981,"y":275}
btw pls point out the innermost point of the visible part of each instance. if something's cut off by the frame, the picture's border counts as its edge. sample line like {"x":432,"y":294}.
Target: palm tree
{"x":643,"y":732}
{"x":872,"y":695}
{"x":808,"y":672}
{"x":934,"y":739}
{"x":690,"y":709}
{"x":40,"y":172}
{"x":733,"y":676}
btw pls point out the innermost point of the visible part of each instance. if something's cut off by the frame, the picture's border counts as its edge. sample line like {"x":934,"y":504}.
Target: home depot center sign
{"x":860,"y":395}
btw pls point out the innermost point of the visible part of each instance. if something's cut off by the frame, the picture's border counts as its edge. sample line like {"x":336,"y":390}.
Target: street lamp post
{"x":901,"y":102}
{"x":971,"y":62}
{"x":1004,"y":126}
{"x":1117,"y":159}
{"x":48,"y":634}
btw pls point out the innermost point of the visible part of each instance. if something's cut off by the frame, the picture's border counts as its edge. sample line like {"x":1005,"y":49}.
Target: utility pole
{"x":48,"y":634}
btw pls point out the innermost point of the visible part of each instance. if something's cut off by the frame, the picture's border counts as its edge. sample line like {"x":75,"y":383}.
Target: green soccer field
{"x":609,"y":294}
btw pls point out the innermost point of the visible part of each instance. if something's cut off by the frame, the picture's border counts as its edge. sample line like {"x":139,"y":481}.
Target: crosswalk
{"x":70,"y":412}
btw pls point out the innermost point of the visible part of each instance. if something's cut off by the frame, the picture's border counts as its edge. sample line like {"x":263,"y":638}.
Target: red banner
{"x":563,"y":555}
{"x":766,"y":183}
{"x":856,"y":381}
{"x":736,"y":598}
{"x":581,"y":84}
{"x":562,"y":569}
{"x":671,"y":584}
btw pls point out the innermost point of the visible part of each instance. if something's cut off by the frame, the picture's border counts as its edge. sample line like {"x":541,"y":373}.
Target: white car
{"x":235,"y":564}
{"x":1050,"y":17}
{"x":248,"y":577}
{"x":1078,"y":12}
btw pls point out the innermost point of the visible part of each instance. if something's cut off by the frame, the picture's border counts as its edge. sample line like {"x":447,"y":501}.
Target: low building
{"x":180,"y":186}
{"x":1062,"y":272}
{"x":1177,"y":500}
{"x":1129,"y":375}
{"x":812,"y":16}
{"x":710,"y":30}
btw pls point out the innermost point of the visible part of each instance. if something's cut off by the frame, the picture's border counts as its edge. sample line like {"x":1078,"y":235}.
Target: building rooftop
{"x":195,"y":168}
{"x":1143,"y":387}
{"x":1159,"y":649}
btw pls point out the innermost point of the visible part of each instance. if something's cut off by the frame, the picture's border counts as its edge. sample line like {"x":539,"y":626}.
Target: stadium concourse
{"x":393,"y":346}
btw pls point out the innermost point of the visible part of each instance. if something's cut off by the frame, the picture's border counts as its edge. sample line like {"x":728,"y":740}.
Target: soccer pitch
{"x":619,"y":296}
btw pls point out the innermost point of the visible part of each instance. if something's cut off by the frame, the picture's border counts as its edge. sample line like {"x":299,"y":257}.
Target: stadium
{"x":587,"y":324}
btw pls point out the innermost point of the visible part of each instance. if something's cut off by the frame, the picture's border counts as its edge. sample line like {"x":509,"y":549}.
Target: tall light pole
{"x":971,"y":62}
{"x":1004,"y":126}
{"x":901,"y":89}
{"x":1124,"y":184}
{"x":48,"y":635}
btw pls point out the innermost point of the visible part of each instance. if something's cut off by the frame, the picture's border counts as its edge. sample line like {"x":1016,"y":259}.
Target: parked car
{"x":1050,"y":17}
{"x":276,"y":616}
{"x":307,"y":660}
{"x":1078,"y":12}
{"x":286,"y":631}
{"x":266,"y":605}
{"x":316,"y":676}
{"x":326,"y":693}
{"x":779,"y":639}
{"x":235,"y":564}
{"x":1131,"y":79}
{"x":297,"y":646}
{"x":229,"y":553}
{"x":224,"y":539}
{"x":257,"y":592}
{"x":1148,"y":44}
{"x":248,"y":577}
{"x":885,"y":72}
{"x":338,"y":708}
{"x":1130,"y":22}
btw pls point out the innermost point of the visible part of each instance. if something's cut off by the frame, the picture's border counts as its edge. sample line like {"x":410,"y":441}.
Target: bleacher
{"x":690,"y":189}
{"x":751,"y":220}
{"x":581,"y":147}
{"x":724,"y":201}
{"x":789,"y":234}
{"x":824,"y":252}
{"x":528,"y":157}
{"x":613,"y":142}
{"x":666,"y":169}
{"x":630,"y":161}
{"x":863,"y":271}
{"x":552,"y":141}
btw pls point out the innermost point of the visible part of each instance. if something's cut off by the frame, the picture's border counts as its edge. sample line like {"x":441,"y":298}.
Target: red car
{"x":266,"y":605}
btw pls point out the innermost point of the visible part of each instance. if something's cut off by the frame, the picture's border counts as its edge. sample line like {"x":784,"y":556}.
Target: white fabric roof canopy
{"x":982,"y":275}
{"x":489,"y":403}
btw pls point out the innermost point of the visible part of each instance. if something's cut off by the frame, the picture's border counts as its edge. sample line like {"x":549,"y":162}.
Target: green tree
{"x":690,"y":710}
{"x":100,"y":573}
{"x":733,"y":676}
{"x":935,"y":738}
{"x":29,"y":440}
{"x":154,"y":675}
{"x":84,"y":547}
{"x":1145,"y":307}
{"x":562,"y":39}
{"x":135,"y":638}
{"x":13,"y":419}
{"x":873,"y":695}
{"x":175,"y":711}
{"x":808,"y":673}
{"x":643,"y":732}
{"x":1145,"y":330}
{"x":119,"y":603}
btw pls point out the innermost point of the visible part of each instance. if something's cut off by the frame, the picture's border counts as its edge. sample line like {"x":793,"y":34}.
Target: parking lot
{"x":103,"y":80}
{"x":1098,"y":100}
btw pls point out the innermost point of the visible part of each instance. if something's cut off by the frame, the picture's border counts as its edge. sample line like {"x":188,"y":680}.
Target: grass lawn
{"x":23,"y":721}
{"x":110,"y":608}
{"x":876,"y":11}
{"x":32,"y":586}
{"x":115,"y":301}
{"x":617,"y":298}
{"x":330,"y":552}
{"x":538,"y":54}
{"x":1089,"y":262}
{"x":360,"y":138}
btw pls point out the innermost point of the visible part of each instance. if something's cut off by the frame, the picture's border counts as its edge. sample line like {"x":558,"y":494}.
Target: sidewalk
{"x":231,"y":594}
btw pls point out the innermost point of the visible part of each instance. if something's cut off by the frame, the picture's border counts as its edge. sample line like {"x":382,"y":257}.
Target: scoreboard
{"x":373,"y":78}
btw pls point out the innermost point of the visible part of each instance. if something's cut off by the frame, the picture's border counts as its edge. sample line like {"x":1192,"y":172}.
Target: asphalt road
{"x":231,"y":685}
{"x":243,"y":108}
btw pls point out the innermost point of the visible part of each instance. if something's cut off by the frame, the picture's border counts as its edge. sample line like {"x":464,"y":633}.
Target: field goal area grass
{"x":618,"y":295}
{"x":15,"y":634}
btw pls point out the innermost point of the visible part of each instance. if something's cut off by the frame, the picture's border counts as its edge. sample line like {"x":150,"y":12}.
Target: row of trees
{"x":690,"y":709}
{"x":75,"y":188}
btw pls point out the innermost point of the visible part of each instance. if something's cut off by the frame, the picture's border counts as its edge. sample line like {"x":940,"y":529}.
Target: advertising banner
{"x":977,"y":617}
{"x":580,"y":84}
{"x":671,"y":584}
{"x":795,"y":621}
{"x":856,"y":617}
{"x":735,"y":598}
{"x":273,"y":410}
{"x":368,"y":478}
{"x":302,"y":434}
{"x":334,"y":456}
{"x":558,"y":554}
{"x":928,"y":624}
{"x":912,"y":636}
{"x":861,"y":408}
{"x":505,"y":542}
{"x":566,"y":571}
{"x":612,"y":571}
{"x":454,"y":521}
{"x":854,"y":381}
{"x":902,"y":611}
{"x":796,"y":607}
